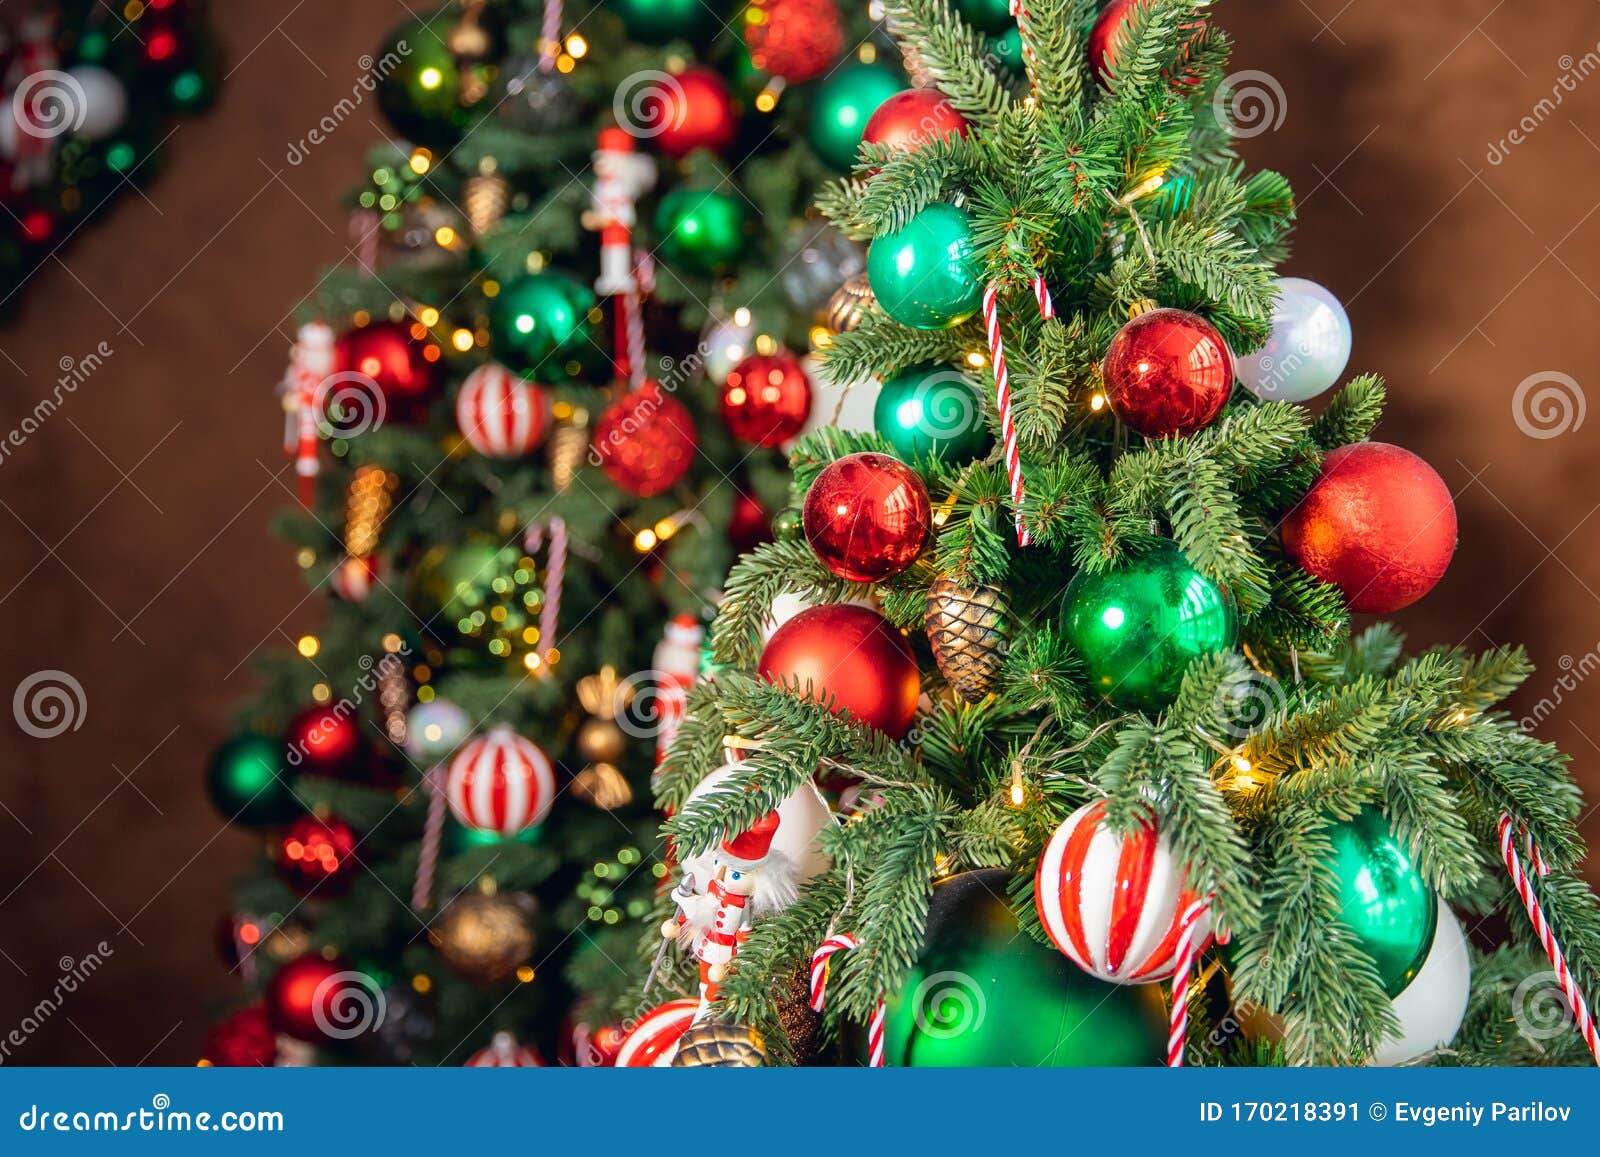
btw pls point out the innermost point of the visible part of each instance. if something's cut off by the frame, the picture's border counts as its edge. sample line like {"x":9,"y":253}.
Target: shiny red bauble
{"x":1378,"y":523}
{"x":242,"y":1040}
{"x":303,"y":999}
{"x":1107,"y":32}
{"x":749,"y":525}
{"x":852,"y":655}
{"x":392,"y":360}
{"x":317,"y":856}
{"x":645,"y":441}
{"x":909,"y":119}
{"x":794,"y":39}
{"x":326,"y":740}
{"x":867,"y":517}
{"x":1168,"y":372}
{"x":766,"y":399}
{"x":692,"y":110}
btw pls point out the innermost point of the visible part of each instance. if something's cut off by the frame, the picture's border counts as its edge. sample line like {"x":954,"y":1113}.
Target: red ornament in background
{"x":749,"y":525}
{"x":304,"y":997}
{"x":326,"y":740}
{"x":645,"y":441}
{"x":852,"y":654}
{"x":242,"y":1040}
{"x":907,"y":120}
{"x":766,"y":399}
{"x":1168,"y":372}
{"x":1106,"y":34}
{"x":38,"y":226}
{"x":584,"y":1047}
{"x":505,"y":1052}
{"x":395,"y":363}
{"x":794,"y":39}
{"x":867,"y":517}
{"x":317,"y":856}
{"x":655,"y":1035}
{"x":1378,"y":523}
{"x":692,"y":110}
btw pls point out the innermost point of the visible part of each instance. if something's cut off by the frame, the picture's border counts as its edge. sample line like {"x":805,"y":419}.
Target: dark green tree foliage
{"x":590,"y":870}
{"x":1116,"y":192}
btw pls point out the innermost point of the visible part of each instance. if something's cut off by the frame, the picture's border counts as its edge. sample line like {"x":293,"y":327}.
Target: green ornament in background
{"x":841,"y":106}
{"x":483,"y":595}
{"x":1007,"y":49}
{"x":658,"y":21}
{"x":420,"y":95}
{"x":983,"y":993}
{"x":932,"y":410}
{"x":926,"y":275}
{"x":538,"y":316}
{"x":1383,"y":899}
{"x":1139,"y":627}
{"x":991,"y":16}
{"x":701,"y":230}
{"x":787,"y":526}
{"x":249,"y":783}
{"x":459,"y":838}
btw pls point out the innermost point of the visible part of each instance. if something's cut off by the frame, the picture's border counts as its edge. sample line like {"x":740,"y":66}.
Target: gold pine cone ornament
{"x":716,"y":1044}
{"x":969,"y":628}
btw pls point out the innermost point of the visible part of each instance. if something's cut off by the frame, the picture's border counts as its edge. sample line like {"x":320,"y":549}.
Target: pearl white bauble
{"x":1432,"y":1006}
{"x":1309,"y":347}
{"x":105,"y":101}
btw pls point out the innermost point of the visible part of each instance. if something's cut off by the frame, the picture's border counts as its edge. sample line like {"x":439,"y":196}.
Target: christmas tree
{"x":534,"y":418}
{"x":88,"y":95}
{"x":1078,"y":752}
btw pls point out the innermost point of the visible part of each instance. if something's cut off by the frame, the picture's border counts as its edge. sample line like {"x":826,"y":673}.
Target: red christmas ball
{"x":645,"y":441}
{"x":317,"y":855}
{"x":766,"y":399}
{"x":692,"y":110}
{"x":1378,"y":523}
{"x":867,"y":517}
{"x":794,"y":39}
{"x":326,"y":739}
{"x":749,"y":525}
{"x":851,"y":654}
{"x":1105,"y":36}
{"x":1168,"y":372}
{"x":306,"y":998}
{"x":242,"y":1040}
{"x":908,"y":119}
{"x":391,"y":361}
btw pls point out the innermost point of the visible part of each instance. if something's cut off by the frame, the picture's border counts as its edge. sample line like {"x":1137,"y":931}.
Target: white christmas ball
{"x":105,"y":101}
{"x":1432,"y":1006}
{"x":435,"y":729}
{"x":859,"y":398}
{"x":800,"y":818}
{"x":1309,"y":347}
{"x":727,"y":341}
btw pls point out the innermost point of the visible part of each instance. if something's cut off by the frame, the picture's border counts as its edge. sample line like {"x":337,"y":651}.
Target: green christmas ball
{"x":1007,"y":49}
{"x":926,"y":275}
{"x":1382,"y":897}
{"x":658,"y":21}
{"x":932,"y":410}
{"x":1138,"y":628}
{"x":249,"y":782}
{"x":787,"y":526}
{"x":537,"y":317}
{"x":989,"y":16}
{"x":982,"y":993}
{"x":458,"y":838}
{"x":842,"y":105}
{"x":420,"y":93}
{"x":701,"y":230}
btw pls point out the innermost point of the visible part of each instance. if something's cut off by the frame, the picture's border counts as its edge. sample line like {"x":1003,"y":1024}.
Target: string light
{"x":1098,"y":402}
{"x":308,"y":645}
{"x":976,"y":360}
{"x":645,"y":541}
{"x":462,"y":339}
{"x":422,"y":983}
{"x":1019,"y":793}
{"x":421,"y":161}
{"x":428,"y":316}
{"x":577,"y":47}
{"x":525,"y":974}
{"x":321,"y":693}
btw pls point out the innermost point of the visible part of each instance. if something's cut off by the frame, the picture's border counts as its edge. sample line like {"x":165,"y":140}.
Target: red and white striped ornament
{"x":843,"y":942}
{"x":500,"y":782}
{"x":503,"y":1052}
{"x":655,"y":1038}
{"x":1002,"y":398}
{"x":1116,"y":905}
{"x":499,"y":414}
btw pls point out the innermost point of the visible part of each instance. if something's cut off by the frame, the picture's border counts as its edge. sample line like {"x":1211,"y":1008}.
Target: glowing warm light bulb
{"x":308,"y":646}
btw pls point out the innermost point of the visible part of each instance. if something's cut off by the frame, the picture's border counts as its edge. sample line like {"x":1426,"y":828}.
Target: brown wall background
{"x":134,"y":551}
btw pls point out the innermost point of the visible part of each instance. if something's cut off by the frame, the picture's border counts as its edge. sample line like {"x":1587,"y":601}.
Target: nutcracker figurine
{"x":622,"y":175}
{"x":676,"y":662}
{"x":310,"y":364}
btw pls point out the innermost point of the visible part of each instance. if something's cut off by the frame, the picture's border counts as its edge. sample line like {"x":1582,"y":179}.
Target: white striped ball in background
{"x":501,"y":415}
{"x":500,"y":782}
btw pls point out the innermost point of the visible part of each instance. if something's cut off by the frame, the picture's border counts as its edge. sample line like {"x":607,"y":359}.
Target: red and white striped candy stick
{"x":1024,"y":19}
{"x":1002,"y":392}
{"x":840,"y":942}
{"x":432,"y":834}
{"x":1041,"y":293}
{"x":1541,"y":929}
{"x":1178,"y":1022}
{"x":550,"y":35}
{"x":554,"y":578}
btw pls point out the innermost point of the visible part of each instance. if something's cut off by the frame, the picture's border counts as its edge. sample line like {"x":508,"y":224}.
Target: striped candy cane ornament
{"x":555,"y":578}
{"x":1541,"y":928}
{"x":1189,"y":947}
{"x":433,"y":781}
{"x":1002,"y":393}
{"x":840,"y":942}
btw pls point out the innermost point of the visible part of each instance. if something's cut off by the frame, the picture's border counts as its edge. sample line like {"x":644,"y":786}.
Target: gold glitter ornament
{"x":717,"y":1045}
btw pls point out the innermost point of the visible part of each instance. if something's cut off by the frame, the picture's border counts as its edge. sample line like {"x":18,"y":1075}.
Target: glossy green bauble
{"x":458,"y":838}
{"x":1382,"y":897}
{"x":658,"y":21}
{"x":983,"y":993}
{"x":538,"y":318}
{"x":843,"y":104}
{"x":787,"y":526}
{"x":991,"y":16}
{"x":420,"y":92}
{"x":700,"y":230}
{"x":932,"y":410}
{"x":1007,"y":49}
{"x":926,"y":275}
{"x":250,"y":784}
{"x":1139,"y":627}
